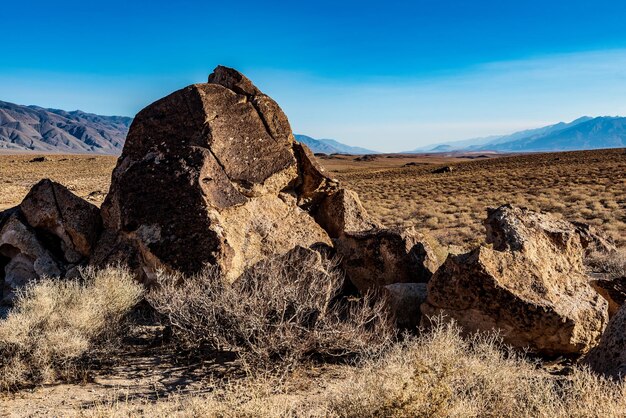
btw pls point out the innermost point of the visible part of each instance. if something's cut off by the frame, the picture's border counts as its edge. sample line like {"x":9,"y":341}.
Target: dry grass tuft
{"x":439,"y":374}
{"x":443,"y":374}
{"x":56,"y":323}
{"x":281,"y":312}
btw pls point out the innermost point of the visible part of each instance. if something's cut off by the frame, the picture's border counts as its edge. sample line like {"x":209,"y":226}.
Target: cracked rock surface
{"x":211,"y":174}
{"x":51,"y":233}
{"x":530,"y":284}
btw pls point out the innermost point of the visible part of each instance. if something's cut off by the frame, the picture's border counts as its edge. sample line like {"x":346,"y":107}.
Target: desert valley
{"x":218,"y":267}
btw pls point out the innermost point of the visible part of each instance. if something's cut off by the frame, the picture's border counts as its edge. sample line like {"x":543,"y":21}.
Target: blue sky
{"x":390,"y":75}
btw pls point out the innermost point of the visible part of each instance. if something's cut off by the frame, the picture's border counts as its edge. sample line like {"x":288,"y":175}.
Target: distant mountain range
{"x":580,"y":134}
{"x":330,"y":146}
{"x":33,"y":128}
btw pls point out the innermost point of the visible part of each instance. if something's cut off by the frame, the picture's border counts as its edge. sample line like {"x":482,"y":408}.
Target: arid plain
{"x":140,"y":378}
{"x":586,"y":186}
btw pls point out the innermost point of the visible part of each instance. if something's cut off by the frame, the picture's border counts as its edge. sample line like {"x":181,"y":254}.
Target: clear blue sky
{"x":389,"y":75}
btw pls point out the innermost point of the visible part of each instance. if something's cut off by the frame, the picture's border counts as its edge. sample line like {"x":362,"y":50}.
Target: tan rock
{"x":51,"y":207}
{"x":342,"y":212}
{"x":531,"y":285}
{"x":23,"y":257}
{"x":378,"y":257}
{"x":613,"y":290}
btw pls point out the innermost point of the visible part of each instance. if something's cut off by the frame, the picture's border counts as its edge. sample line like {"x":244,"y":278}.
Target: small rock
{"x":446,"y":169}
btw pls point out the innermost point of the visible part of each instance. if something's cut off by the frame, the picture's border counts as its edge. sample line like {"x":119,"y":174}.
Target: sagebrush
{"x":55,"y":323}
{"x":278,"y":313}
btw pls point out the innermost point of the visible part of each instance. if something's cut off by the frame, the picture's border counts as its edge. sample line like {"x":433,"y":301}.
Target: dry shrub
{"x":439,"y":374}
{"x":277,"y":314}
{"x":55,"y":323}
{"x":443,"y":374}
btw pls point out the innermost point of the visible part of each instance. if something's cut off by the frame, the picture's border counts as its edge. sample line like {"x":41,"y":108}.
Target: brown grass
{"x":586,"y":186}
{"x":280,"y":313}
{"x":56,"y":323}
{"x":86,"y":176}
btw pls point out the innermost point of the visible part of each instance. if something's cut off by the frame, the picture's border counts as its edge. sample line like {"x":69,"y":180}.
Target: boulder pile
{"x":211,"y":175}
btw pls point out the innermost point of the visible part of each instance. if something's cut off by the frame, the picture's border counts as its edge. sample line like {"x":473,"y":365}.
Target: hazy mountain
{"x":34,"y":128}
{"x":583,"y":133}
{"x":330,"y":146}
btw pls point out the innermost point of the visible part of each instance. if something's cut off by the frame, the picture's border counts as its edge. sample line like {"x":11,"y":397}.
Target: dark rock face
{"x":609,"y":357}
{"x":404,"y":300}
{"x":379,"y":257}
{"x":446,"y":169}
{"x":52,"y":208}
{"x":211,"y":174}
{"x":531,"y":285}
{"x":49,"y":234}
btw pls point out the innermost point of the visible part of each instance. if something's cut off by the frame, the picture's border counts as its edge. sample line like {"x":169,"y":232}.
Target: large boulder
{"x":50,"y":233}
{"x":609,"y":357}
{"x":378,"y":257}
{"x":211,"y":174}
{"x":531,"y":285}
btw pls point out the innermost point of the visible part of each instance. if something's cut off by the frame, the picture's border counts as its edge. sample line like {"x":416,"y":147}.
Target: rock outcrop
{"x":341,"y":212}
{"x":49,"y":234}
{"x":609,"y":357}
{"x":531,"y":285}
{"x":211,"y":174}
{"x":613,"y":290}
{"x":378,"y":257}
{"x":592,"y":240}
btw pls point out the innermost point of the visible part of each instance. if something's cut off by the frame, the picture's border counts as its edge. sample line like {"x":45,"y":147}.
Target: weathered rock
{"x":52,"y":208}
{"x":314,"y":184}
{"x":378,"y":257}
{"x":50,"y":233}
{"x":613,"y":290}
{"x":342,"y":212}
{"x":593,"y":240}
{"x":531,"y":285}
{"x":609,"y":356}
{"x":404,"y":300}
{"x":211,"y":174}
{"x":23,"y":257}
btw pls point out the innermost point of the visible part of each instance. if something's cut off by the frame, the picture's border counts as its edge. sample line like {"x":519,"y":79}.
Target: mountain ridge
{"x":583,"y":133}
{"x":38,"y":129}
{"x":331,"y":146}
{"x":34,"y":128}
